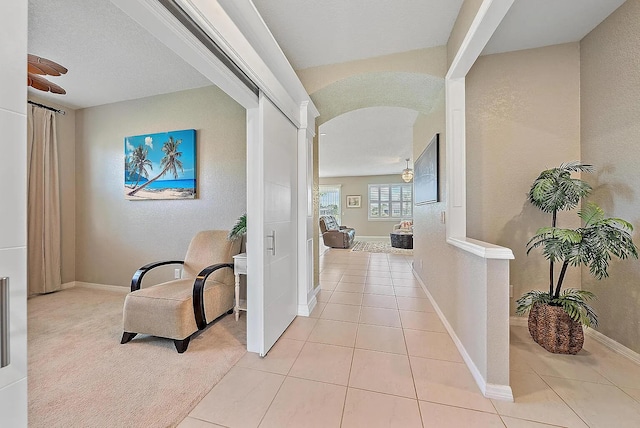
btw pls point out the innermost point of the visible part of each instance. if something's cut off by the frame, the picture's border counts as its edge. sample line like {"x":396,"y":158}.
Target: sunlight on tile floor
{"x":375,"y":354}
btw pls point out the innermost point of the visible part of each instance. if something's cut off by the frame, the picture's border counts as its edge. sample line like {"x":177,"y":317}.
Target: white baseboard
{"x":613,"y":345}
{"x":68,"y":285}
{"x":489,"y":390}
{"x":616,"y":347}
{"x":305,"y":310}
{"x":498,"y":392}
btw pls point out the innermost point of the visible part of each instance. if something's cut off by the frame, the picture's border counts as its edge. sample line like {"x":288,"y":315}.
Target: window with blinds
{"x":330,"y":200}
{"x":390,"y":201}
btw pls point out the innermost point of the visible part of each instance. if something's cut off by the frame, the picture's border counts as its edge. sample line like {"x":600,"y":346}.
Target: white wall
{"x":13,"y":218}
{"x":115,"y":236}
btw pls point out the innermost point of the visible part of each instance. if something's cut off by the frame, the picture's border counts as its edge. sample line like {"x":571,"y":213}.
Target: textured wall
{"x":430,"y":250}
{"x":522,"y":117}
{"x":358,"y":217}
{"x":467,"y":13}
{"x":116,"y":236}
{"x":429,"y":233}
{"x":462,"y":284}
{"x":66,"y":131}
{"x":610,"y":108}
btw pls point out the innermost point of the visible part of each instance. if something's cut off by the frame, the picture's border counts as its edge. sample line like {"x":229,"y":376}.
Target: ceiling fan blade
{"x":43,"y":84}
{"x":36,"y":84}
{"x":45,"y":69}
{"x":33,"y":68}
{"x":50,"y":67}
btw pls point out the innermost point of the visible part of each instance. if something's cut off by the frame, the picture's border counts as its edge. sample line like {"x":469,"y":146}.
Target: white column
{"x":456,"y":223}
{"x":306,"y":292}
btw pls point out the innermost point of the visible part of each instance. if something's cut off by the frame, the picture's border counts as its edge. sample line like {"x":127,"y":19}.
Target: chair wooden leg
{"x":126,"y":337}
{"x":181,"y":345}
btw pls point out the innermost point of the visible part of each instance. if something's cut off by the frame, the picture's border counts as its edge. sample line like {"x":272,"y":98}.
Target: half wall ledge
{"x":482,"y":249}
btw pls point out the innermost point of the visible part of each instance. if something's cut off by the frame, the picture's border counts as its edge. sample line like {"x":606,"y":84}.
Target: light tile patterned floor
{"x":375,"y":354}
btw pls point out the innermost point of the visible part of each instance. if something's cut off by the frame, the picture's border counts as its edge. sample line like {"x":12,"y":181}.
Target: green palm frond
{"x":603,"y":239}
{"x":572,"y":301}
{"x":555,"y":190}
{"x":556,"y":243}
{"x":576,"y":166}
{"x":170,"y":161}
{"x":526,"y":302}
{"x":238,"y":229}
{"x":593,"y":245}
{"x":591,"y":214}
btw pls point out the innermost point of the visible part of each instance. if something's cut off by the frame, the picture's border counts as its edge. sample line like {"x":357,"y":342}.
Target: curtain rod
{"x":55,"y":110}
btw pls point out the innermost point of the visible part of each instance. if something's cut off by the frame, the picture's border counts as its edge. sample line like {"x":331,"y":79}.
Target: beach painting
{"x":160,"y":166}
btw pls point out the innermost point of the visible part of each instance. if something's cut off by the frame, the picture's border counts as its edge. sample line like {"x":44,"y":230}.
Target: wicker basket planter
{"x":551,"y":328}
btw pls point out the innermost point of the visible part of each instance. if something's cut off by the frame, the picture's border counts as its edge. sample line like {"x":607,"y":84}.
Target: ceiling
{"x":386,"y":145}
{"x":110,"y":58}
{"x":313,"y":33}
{"x":531,"y":24}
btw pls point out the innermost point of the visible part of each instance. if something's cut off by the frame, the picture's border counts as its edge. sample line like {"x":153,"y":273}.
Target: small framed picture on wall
{"x":354,"y":201}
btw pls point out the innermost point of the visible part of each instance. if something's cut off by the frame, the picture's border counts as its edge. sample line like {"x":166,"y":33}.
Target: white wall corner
{"x":68,"y":285}
{"x":305,"y":309}
{"x":495,"y":391}
{"x":477,"y":376}
{"x":498,"y":392}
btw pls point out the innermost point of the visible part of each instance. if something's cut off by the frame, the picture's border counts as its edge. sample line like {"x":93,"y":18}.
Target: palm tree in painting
{"x":169,"y":163}
{"x":138,"y":164}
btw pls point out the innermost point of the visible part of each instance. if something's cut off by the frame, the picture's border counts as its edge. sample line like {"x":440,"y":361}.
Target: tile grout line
{"x":413,"y":378}
{"x":559,"y":396}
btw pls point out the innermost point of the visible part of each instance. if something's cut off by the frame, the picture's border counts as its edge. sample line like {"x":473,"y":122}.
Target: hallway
{"x":375,"y":354}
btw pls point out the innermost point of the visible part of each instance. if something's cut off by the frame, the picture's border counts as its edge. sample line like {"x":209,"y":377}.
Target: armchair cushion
{"x":174,"y":309}
{"x":404,"y":225}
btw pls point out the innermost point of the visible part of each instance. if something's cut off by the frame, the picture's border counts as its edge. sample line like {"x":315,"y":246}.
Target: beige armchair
{"x":177,"y":309}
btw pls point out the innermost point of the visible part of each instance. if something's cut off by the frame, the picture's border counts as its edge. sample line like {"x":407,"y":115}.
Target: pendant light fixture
{"x":407,"y":173}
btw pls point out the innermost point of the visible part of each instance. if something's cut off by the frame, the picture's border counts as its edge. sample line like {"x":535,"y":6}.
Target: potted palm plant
{"x":239,"y":229}
{"x":556,"y":317}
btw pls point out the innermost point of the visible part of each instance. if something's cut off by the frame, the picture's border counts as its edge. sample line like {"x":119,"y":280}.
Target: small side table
{"x":239,"y":268}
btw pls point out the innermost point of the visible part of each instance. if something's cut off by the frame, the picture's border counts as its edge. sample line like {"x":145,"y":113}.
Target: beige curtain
{"x":43,"y":203}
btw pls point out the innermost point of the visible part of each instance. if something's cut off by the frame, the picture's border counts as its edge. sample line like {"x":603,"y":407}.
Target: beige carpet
{"x":379,"y":247}
{"x":81,"y":376}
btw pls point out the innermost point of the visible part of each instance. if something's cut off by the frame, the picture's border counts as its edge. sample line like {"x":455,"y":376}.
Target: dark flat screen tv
{"x":425,"y":178}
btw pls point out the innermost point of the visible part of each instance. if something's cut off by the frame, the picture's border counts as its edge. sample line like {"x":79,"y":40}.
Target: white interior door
{"x":272,"y":225}
{"x":13,"y":217}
